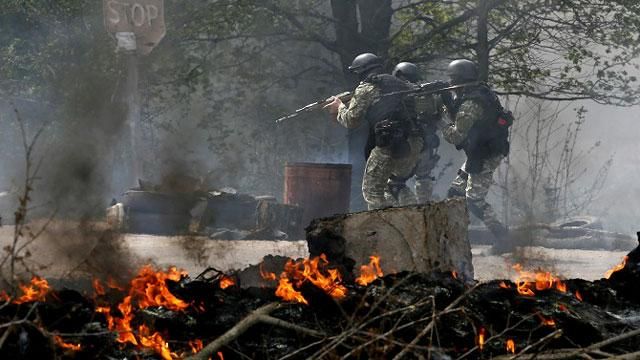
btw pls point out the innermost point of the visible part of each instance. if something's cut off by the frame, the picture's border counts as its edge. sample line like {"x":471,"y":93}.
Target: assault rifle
{"x":430,"y":88}
{"x":344,"y":97}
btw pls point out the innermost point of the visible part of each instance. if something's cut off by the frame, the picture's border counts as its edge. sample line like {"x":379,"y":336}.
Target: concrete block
{"x":422,"y":238}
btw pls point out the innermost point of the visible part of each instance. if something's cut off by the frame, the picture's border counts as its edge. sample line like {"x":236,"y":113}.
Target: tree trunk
{"x":368,"y":33}
{"x":482,"y":50}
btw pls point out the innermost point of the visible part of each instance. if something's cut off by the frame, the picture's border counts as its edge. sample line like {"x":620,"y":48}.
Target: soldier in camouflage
{"x":395,"y":142}
{"x":480,"y":129}
{"x":429,"y":111}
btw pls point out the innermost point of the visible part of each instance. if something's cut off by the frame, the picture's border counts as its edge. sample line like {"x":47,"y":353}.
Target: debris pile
{"x":219,"y":214}
{"x":315,"y":311}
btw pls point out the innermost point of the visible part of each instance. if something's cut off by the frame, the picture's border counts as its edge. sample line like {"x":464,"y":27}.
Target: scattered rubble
{"x":219,"y":214}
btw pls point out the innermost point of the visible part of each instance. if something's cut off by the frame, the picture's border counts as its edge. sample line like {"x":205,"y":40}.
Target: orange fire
{"x":220,"y":355}
{"x":368,"y":273}
{"x":112,"y":284}
{"x":511,"y":346}
{"x":545,"y":321}
{"x":4,"y":296}
{"x":36,"y":290}
{"x":481,"y":335}
{"x":226,"y":281}
{"x":196,"y":345}
{"x":65,"y":345}
{"x":578,"y":295}
{"x":155,"y":342}
{"x":313,"y":271}
{"x":286,"y":291}
{"x":539,"y":280}
{"x":98,"y":288}
{"x":147,"y":289}
{"x":269,"y":276}
{"x":454,"y":274}
{"x":617,"y":267}
{"x":504,"y":285}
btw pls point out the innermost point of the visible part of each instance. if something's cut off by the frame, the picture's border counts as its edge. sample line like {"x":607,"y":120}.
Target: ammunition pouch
{"x":393,"y":135}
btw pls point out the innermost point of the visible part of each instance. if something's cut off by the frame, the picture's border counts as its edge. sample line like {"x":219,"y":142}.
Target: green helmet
{"x":407,"y":71}
{"x":462,"y":71}
{"x":365,"y":62}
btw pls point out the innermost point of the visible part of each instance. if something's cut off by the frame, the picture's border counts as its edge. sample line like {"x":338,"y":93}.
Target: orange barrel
{"x":320,"y":189}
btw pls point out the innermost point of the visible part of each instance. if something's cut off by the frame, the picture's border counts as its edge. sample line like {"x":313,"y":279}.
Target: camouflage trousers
{"x":424,"y":180}
{"x":399,"y":194}
{"x":475,"y":188}
{"x":381,"y":166}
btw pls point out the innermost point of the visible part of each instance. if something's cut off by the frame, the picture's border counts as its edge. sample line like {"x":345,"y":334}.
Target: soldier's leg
{"x":424,"y":180}
{"x":377,"y":172}
{"x":405,"y":167}
{"x":458,"y":187}
{"x":478,"y":186}
{"x":398,"y":193}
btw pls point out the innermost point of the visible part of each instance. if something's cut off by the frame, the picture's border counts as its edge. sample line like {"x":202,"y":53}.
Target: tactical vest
{"x":397,"y":109}
{"x":489,"y":136}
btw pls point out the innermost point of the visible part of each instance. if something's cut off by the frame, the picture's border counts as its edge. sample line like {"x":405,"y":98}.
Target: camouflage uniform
{"x":474,"y":185}
{"x":381,"y":165}
{"x":429,"y":109}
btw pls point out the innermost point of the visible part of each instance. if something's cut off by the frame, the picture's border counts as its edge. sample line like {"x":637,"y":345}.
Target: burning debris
{"x":315,"y":311}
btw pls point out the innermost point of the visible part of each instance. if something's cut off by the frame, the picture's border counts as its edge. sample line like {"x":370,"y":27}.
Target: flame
{"x":4,"y":296}
{"x":309,"y":270}
{"x":481,"y":335}
{"x":454,"y":274}
{"x":150,"y":289}
{"x":545,"y":321}
{"x":36,"y":290}
{"x":511,"y":346}
{"x":368,"y":273}
{"x":147,"y":289}
{"x":286,"y":291}
{"x":220,"y":355}
{"x":504,"y":285}
{"x":65,"y":345}
{"x":616,"y":268}
{"x":155,"y":342}
{"x":196,"y":345}
{"x":578,"y":295}
{"x":98,"y":288}
{"x":112,"y":284}
{"x":269,"y":276}
{"x":539,"y":280}
{"x":226,"y":281}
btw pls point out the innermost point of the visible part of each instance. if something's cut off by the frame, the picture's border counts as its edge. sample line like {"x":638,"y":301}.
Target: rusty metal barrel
{"x":320,"y":189}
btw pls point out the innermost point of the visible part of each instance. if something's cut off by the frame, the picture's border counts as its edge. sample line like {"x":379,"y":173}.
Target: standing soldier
{"x":481,"y":129}
{"x":395,"y":142}
{"x":429,"y":111}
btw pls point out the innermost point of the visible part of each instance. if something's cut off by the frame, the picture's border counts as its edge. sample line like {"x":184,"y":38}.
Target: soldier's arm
{"x":350,"y":116}
{"x":470,"y":112}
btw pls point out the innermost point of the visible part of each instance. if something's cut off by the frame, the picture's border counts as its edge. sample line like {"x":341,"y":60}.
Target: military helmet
{"x":365,"y":62}
{"x":461,"y":71}
{"x":407,"y":71}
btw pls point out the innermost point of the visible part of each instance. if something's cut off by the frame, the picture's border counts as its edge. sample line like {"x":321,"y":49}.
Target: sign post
{"x":138,"y":26}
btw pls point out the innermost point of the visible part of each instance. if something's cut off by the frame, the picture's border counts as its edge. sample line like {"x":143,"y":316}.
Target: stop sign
{"x":144,"y":18}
